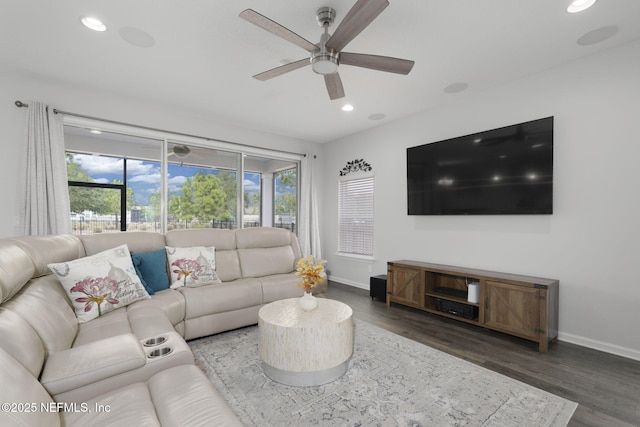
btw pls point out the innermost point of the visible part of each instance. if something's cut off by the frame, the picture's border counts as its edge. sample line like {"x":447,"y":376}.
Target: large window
{"x":355,"y":216}
{"x":119,"y":182}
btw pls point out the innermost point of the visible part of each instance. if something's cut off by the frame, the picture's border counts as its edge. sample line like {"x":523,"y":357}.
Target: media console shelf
{"x":523,"y":306}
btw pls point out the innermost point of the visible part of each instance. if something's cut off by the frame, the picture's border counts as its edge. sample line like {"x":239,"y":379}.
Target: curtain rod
{"x":21,"y":104}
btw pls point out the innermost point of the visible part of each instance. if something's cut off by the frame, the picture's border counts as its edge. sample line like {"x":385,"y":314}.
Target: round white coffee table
{"x":305,"y":348}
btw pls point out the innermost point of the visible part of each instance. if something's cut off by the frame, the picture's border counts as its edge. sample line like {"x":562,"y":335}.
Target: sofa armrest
{"x":78,"y":366}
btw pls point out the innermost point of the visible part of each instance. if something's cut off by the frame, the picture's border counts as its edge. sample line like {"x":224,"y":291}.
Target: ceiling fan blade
{"x":334,"y":86}
{"x":277,"y":29}
{"x":357,"y":19}
{"x":376,"y":62}
{"x":278,"y":71}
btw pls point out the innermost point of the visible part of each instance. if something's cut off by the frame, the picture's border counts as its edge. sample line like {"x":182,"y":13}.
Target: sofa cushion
{"x":263,"y":237}
{"x":45,"y":250}
{"x":16,"y":269}
{"x":19,"y":339}
{"x":193,"y":266}
{"x":151,"y":268}
{"x":44,"y":305}
{"x":179,"y":396}
{"x":100,"y":283}
{"x":137,"y":241}
{"x":108,"y":325}
{"x":280,"y":286}
{"x":24,"y":389}
{"x":128,"y":406}
{"x":184,"y":396}
{"x":220,"y":298}
{"x":258,"y":262}
{"x":222,"y":239}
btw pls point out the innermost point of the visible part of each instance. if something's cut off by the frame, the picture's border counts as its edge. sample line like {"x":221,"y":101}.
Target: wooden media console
{"x":523,"y":306}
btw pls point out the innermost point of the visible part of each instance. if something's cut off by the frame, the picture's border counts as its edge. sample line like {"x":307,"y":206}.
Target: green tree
{"x":202,"y":198}
{"x":83,"y":198}
{"x":288,"y":178}
{"x":286,"y":193}
{"x":229,"y":186}
{"x":153,"y":209}
{"x":286,"y":204}
{"x":113,"y":199}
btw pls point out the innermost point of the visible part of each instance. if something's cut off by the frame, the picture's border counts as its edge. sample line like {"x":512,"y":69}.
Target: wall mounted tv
{"x":502,"y":171}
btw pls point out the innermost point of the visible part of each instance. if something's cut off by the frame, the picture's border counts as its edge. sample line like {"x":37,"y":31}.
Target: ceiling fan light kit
{"x":327,"y":55}
{"x":181,"y":151}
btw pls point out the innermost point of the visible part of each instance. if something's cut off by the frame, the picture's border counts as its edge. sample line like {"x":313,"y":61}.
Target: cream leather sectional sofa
{"x":112,"y":370}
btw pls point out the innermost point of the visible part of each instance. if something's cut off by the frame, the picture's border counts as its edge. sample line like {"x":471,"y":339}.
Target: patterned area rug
{"x":391,"y":381}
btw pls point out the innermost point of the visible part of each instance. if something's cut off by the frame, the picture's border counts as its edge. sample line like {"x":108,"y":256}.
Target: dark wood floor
{"x":606,"y":387}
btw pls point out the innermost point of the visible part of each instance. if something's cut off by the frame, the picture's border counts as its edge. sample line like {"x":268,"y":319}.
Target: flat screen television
{"x":502,"y":171}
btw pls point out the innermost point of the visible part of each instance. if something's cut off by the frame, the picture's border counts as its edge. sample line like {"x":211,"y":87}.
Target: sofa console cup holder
{"x":159,"y":352}
{"x":152,"y":342}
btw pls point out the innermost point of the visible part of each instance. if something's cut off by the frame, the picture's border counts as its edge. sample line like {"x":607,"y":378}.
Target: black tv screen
{"x":502,"y":171}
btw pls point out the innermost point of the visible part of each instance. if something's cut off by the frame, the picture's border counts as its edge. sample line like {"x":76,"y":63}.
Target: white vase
{"x":308,"y":302}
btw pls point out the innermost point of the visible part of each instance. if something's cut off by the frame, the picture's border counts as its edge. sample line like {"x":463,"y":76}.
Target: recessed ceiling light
{"x":95,"y":131}
{"x":580,"y":5}
{"x":347,"y":107}
{"x":93,"y":23}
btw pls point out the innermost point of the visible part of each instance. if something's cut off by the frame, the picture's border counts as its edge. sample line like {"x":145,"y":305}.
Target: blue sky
{"x":144,"y":177}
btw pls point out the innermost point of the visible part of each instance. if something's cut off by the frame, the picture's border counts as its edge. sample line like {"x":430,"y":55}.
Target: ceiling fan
{"x":327,"y":54}
{"x":181,"y":151}
{"x":183,"y":154}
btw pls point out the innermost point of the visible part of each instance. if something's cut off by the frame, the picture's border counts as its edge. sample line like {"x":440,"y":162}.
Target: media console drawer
{"x":518,"y":305}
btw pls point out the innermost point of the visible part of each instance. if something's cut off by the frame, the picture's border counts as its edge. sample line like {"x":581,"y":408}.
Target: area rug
{"x":391,"y":381}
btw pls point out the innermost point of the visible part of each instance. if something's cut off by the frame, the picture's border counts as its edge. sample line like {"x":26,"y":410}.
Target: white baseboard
{"x":349,"y":282}
{"x":599,"y":345}
{"x":562,"y":336}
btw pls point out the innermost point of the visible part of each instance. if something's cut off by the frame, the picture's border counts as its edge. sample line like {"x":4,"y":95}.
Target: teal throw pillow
{"x":151,"y":267}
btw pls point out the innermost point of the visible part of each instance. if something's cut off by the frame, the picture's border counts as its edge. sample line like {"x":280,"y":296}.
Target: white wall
{"x":110,"y":106}
{"x":590,"y":243}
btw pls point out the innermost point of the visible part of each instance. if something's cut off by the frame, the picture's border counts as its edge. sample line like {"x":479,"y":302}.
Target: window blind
{"x":355,"y":216}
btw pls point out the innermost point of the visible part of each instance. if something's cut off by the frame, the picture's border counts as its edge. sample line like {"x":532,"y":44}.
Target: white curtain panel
{"x":309,"y":228}
{"x":44,"y":208}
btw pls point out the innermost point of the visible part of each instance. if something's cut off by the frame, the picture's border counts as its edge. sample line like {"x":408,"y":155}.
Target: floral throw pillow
{"x":193,"y":266}
{"x":100,"y":283}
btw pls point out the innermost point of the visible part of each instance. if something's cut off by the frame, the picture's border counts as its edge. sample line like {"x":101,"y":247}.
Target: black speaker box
{"x":378,"y":287}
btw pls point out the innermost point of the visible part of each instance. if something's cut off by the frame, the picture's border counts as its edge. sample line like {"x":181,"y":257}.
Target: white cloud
{"x":175,"y":183}
{"x":99,"y":165}
{"x":178,"y":180}
{"x":153,"y":178}
{"x":138,"y":167}
{"x":250,"y":185}
{"x":96,"y":165}
{"x":102,"y":181}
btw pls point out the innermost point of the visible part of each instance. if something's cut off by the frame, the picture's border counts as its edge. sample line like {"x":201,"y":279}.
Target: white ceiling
{"x":204,"y":54}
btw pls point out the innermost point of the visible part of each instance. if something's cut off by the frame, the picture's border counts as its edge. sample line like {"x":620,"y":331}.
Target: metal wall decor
{"x":358,"y":165}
